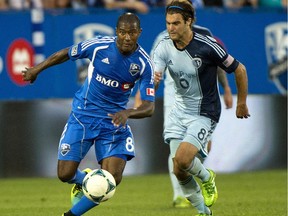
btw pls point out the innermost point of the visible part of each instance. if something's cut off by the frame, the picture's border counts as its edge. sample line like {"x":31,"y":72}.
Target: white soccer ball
{"x":99,"y":185}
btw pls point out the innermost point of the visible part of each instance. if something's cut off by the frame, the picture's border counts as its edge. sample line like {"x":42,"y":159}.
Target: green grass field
{"x":253,"y":193}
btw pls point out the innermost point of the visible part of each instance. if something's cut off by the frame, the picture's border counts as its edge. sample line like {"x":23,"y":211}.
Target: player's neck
{"x":184,"y":41}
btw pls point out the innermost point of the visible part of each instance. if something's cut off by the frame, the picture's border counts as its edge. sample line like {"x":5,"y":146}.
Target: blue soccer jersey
{"x":111,"y":77}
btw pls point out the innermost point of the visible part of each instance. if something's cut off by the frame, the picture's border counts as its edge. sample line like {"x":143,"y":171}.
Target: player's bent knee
{"x":66,"y":170}
{"x":181,"y":163}
{"x":65,"y":177}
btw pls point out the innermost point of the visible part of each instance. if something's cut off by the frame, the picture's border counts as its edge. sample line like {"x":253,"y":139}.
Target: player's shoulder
{"x":164,"y":42}
{"x":97,"y":41}
{"x":206,"y":39}
{"x":209,"y":44}
{"x":142,"y":54}
{"x":163,"y":34}
{"x":202,"y":30}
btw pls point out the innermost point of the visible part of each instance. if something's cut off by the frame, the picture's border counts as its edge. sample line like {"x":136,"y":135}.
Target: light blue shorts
{"x":194,"y":129}
{"x":82,"y":132}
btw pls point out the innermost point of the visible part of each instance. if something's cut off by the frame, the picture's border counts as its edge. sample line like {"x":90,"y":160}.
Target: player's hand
{"x":119,"y":118}
{"x":157,"y":77}
{"x":242,"y":111}
{"x":29,"y":74}
{"x":228,"y":98}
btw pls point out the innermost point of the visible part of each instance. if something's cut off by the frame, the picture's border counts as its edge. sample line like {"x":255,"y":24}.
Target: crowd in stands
{"x":140,"y":6}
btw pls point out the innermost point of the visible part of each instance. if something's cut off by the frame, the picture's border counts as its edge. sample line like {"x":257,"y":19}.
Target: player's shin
{"x":83,"y":206}
{"x":192,"y":192}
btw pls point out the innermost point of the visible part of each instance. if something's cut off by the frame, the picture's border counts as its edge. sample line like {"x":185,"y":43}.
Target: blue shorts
{"x":82,"y":132}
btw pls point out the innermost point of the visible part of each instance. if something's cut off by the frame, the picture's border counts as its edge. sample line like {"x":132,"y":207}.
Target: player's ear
{"x":190,"y":21}
{"x":140,"y":31}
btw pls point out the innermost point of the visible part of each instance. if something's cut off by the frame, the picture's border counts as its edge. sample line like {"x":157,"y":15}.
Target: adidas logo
{"x":106,"y":61}
{"x":170,"y":62}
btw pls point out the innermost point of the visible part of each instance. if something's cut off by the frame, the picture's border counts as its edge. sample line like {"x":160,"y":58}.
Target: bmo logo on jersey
{"x":107,"y":82}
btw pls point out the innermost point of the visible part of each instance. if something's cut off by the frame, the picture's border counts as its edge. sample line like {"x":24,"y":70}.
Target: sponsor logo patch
{"x":107,"y":82}
{"x":127,"y":86}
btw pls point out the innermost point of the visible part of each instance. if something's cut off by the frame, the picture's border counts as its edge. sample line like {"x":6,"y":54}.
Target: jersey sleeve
{"x":159,"y":57}
{"x":222,"y":58}
{"x":146,"y":83}
{"x":159,"y":37}
{"x":81,"y":50}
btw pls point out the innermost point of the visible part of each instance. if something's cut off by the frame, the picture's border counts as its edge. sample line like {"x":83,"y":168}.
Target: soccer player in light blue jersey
{"x":99,"y":113}
{"x":192,"y":60}
{"x":179,"y":201}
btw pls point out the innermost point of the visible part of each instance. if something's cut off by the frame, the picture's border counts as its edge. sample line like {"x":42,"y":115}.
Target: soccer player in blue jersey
{"x":99,"y":113}
{"x":192,"y":60}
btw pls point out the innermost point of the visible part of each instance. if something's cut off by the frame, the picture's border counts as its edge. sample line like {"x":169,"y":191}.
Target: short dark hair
{"x":185,"y":8}
{"x":128,"y":18}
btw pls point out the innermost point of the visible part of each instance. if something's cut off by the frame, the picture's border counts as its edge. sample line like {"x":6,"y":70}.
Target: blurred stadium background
{"x":32,"y":116}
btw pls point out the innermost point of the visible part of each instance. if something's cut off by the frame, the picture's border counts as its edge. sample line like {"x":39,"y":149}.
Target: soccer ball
{"x":99,"y":185}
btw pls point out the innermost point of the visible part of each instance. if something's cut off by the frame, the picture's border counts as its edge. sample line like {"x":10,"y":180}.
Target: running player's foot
{"x":203,"y":214}
{"x":181,"y":202}
{"x":69,"y":213}
{"x":209,"y":190}
{"x":76,"y":191}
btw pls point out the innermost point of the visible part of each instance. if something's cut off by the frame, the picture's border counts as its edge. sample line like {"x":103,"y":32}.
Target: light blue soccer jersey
{"x":168,"y":81}
{"x":194,"y":71}
{"x":111,"y":77}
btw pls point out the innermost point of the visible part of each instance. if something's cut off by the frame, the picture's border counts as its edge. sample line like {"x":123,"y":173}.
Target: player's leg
{"x":74,"y":144}
{"x":189,"y":186}
{"x":115,"y":165}
{"x":209,"y":146}
{"x":195,"y":142}
{"x":179,"y":200}
{"x":68,"y":172}
{"x":112,"y":160}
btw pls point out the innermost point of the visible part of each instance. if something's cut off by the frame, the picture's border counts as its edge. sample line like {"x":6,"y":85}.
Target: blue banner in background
{"x":257,"y":38}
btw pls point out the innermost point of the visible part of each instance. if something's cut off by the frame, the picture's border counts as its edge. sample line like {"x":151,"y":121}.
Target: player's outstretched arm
{"x":242,"y":88}
{"x":30,"y":74}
